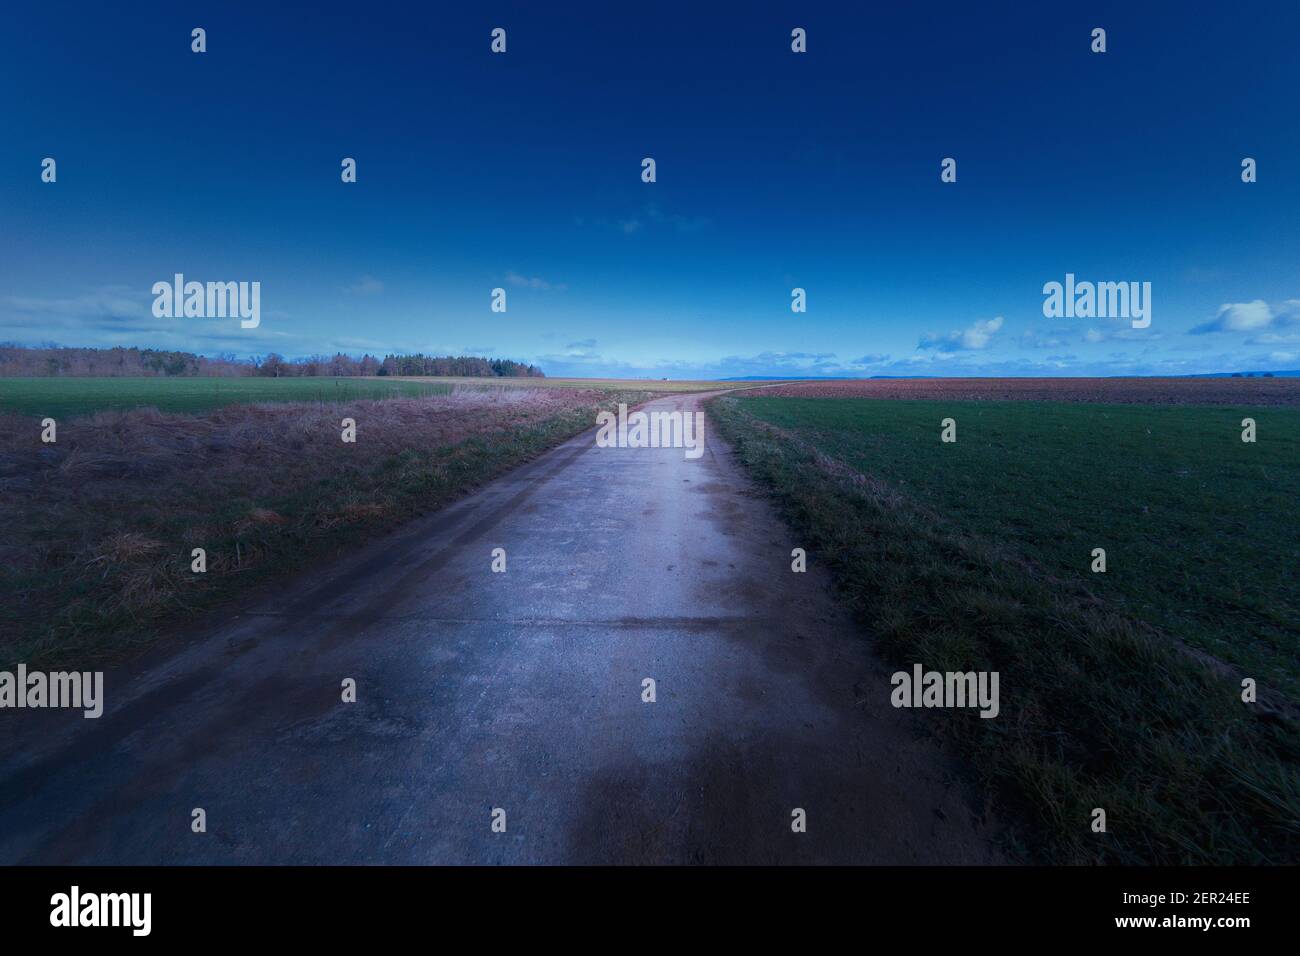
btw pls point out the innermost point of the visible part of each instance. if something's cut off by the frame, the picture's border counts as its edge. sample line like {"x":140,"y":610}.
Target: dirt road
{"x":519,"y":690}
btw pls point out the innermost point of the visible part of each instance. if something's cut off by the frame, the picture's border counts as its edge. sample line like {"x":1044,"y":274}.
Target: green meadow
{"x":66,"y":397}
{"x":1201,"y":530}
{"x":1121,"y":689}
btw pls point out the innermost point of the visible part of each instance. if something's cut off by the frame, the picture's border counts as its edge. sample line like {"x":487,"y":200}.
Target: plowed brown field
{"x":1124,"y":391}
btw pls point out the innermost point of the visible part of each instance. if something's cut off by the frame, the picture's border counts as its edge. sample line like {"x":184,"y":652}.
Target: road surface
{"x":520,"y":691}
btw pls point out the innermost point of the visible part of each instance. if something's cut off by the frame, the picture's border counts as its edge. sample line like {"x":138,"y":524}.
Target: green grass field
{"x":1199,"y":527}
{"x":977,"y":555}
{"x":69,"y":397}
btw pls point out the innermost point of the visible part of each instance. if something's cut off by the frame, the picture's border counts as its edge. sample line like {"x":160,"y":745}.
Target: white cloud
{"x":533,"y":282}
{"x":1036,"y":339}
{"x":652,"y":217}
{"x":367,"y":285}
{"x":1250,"y":317}
{"x":1274,"y":338}
{"x":1094,"y":336}
{"x":974,"y":338}
{"x":117,"y":315}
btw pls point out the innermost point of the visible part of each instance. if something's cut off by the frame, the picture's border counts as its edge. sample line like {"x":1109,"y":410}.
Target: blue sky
{"x":775,"y":170}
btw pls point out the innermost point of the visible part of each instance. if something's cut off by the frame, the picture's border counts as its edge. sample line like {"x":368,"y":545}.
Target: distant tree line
{"x":456,"y":365}
{"x":52,"y":362}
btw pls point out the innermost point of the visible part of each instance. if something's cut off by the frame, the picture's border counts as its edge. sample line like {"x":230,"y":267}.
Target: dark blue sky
{"x":775,"y":170}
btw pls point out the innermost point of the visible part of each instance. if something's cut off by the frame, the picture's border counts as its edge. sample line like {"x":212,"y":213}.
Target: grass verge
{"x":1099,"y":707}
{"x":97,"y":562}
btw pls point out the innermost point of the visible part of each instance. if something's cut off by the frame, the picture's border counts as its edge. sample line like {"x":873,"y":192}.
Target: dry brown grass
{"x":100,"y":525}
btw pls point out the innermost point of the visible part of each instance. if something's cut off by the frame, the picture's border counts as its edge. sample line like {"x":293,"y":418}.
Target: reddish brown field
{"x":1121,"y":391}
